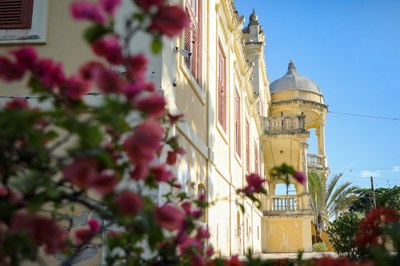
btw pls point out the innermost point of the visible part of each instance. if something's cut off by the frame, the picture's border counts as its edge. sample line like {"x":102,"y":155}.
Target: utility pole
{"x":373,"y":193}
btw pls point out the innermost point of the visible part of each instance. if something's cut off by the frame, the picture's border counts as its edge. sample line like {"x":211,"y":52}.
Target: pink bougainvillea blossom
{"x":108,"y":81}
{"x":82,"y":172}
{"x":161,"y":173}
{"x":172,"y":155}
{"x":170,"y":21}
{"x":109,"y":48}
{"x":233,"y":261}
{"x":300,"y":177}
{"x":44,"y":231}
{"x":91,"y":70}
{"x":110,"y":6}
{"x":105,"y":183}
{"x":152,"y":104}
{"x":49,"y":72}
{"x":86,"y":234}
{"x":17,"y":103}
{"x":10,"y":71}
{"x":145,"y":142}
{"x":85,"y":10}
{"x":169,"y":216}
{"x":138,"y":66}
{"x":147,"y":4}
{"x":255,"y":181}
{"x":26,"y":57}
{"x":75,"y":87}
{"x":128,"y":203}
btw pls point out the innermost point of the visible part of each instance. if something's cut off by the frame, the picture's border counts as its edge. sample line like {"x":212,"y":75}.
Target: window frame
{"x":37,"y":34}
{"x":221,"y":89}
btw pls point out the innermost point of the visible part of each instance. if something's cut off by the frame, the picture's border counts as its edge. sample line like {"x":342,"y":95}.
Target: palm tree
{"x":328,"y":198}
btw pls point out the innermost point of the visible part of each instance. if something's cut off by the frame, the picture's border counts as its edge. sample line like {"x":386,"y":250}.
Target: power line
{"x":366,"y":116}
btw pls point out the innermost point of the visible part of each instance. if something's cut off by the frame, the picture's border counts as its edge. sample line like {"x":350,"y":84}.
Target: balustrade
{"x":284,"y":124}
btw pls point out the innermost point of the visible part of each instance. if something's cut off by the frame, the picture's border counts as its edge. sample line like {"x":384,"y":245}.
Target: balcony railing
{"x":276,"y":204}
{"x":275,"y":125}
{"x":316,"y":161}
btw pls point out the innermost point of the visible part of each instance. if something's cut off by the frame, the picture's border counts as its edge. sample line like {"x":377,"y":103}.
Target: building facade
{"x":236,"y":123}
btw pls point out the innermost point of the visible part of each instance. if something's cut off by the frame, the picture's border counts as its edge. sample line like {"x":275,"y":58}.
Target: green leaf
{"x":156,"y":45}
{"x":95,"y":32}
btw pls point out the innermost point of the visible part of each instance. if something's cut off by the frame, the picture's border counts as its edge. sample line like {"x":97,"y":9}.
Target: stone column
{"x":303,"y":156}
{"x":321,"y":141}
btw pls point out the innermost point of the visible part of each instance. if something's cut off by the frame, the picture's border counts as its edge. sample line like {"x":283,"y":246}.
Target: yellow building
{"x":235,"y":121}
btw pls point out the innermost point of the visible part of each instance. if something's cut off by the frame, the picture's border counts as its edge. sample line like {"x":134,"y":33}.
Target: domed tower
{"x":297,"y":105}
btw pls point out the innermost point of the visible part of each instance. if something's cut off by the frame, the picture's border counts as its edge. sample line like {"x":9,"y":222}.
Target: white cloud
{"x":396,"y":169}
{"x":367,"y":173}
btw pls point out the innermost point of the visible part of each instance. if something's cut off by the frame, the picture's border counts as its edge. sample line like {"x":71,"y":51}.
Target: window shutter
{"x":16,"y":14}
{"x":192,"y":39}
{"x":256,"y":162}
{"x":221,"y":90}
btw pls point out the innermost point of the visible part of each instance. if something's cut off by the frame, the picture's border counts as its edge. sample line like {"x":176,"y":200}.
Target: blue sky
{"x":351,"y":49}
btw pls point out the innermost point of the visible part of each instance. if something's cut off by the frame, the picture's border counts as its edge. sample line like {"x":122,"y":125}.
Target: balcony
{"x":276,"y":125}
{"x":285,"y":205}
{"x":316,"y":161}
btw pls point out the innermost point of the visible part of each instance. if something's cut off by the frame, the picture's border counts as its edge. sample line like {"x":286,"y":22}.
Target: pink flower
{"x":141,"y":171}
{"x":174,"y":118}
{"x":75,"y":87}
{"x":145,"y":142}
{"x":202,"y":233}
{"x":82,"y":172}
{"x":147,"y":4}
{"x":300,"y":177}
{"x":138,"y":64}
{"x":49,"y":73}
{"x":169,"y":20}
{"x":26,"y":57}
{"x":109,"y":48}
{"x":197,"y":260}
{"x":110,"y":6}
{"x":42,"y":230}
{"x":188,"y":244}
{"x":161,"y":173}
{"x":172,"y":155}
{"x":91,"y":70}
{"x":85,"y":10}
{"x":17,"y":103}
{"x":255,"y":182}
{"x":83,"y":236}
{"x":104,"y":183}
{"x":169,"y":216}
{"x":108,"y":81}
{"x":152,"y":104}
{"x":233,"y":261}
{"x":128,"y":203}
{"x":10,"y":71}
{"x":209,"y":251}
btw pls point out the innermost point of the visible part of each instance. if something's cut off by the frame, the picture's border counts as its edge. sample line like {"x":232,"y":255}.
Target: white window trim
{"x":36,"y":34}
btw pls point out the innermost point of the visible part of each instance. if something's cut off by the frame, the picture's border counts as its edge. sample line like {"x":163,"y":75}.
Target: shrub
{"x":342,"y":233}
{"x":319,"y":247}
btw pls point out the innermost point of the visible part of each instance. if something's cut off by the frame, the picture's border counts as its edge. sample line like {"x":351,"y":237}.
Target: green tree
{"x":328,"y":198}
{"x":384,"y":197}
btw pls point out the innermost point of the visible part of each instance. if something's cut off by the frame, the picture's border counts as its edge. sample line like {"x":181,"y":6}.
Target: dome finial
{"x":291,"y":67}
{"x":253,"y":16}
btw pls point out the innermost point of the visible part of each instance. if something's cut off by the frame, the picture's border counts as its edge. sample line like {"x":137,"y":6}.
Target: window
{"x":238,"y":134}
{"x":23,"y":21}
{"x":192,"y":38}
{"x":247,"y":146}
{"x":221,"y":89}
{"x":256,"y":160}
{"x":16,"y":14}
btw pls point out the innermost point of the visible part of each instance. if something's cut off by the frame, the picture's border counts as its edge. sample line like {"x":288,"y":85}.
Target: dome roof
{"x":293,"y":81}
